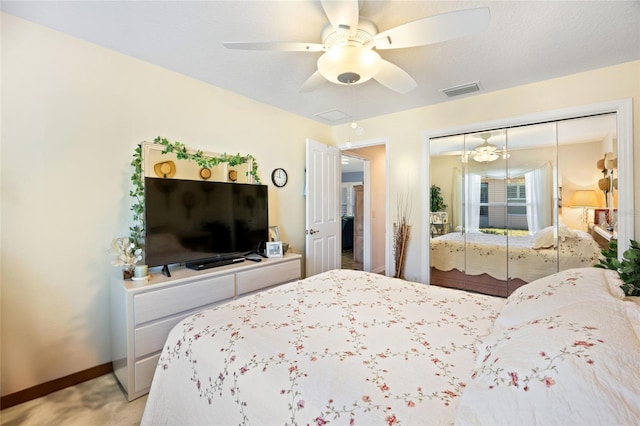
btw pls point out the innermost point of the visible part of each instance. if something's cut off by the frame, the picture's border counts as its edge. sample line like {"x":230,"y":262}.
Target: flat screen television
{"x":189,"y":220}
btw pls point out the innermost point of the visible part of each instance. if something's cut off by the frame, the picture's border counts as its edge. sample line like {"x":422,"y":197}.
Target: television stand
{"x":165,"y":271}
{"x":144,"y":312}
{"x":255,"y":252}
{"x":206,"y":264}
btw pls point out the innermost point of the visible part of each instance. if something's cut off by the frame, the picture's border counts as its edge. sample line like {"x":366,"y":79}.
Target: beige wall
{"x":72,"y":114}
{"x":405,"y":130}
{"x":71,"y":118}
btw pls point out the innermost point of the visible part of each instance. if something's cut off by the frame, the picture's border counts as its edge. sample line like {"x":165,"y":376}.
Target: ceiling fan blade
{"x":395,"y":78}
{"x":343,"y":14}
{"x":313,"y":82}
{"x":281,"y":46}
{"x":434,"y":29}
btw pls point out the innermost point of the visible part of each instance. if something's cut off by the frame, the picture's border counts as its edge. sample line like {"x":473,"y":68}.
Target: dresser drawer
{"x":144,"y":370}
{"x":255,"y":279}
{"x":150,"y":338}
{"x":172,"y":300}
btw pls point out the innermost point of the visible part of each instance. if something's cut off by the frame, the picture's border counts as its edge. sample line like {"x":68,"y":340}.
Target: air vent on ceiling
{"x":333,"y":115}
{"x":462,"y":89}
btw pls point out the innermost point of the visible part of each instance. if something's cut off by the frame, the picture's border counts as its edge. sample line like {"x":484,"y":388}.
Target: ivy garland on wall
{"x":137,"y":178}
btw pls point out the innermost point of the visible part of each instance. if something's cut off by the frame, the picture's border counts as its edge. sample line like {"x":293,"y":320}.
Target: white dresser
{"x":143,"y":312}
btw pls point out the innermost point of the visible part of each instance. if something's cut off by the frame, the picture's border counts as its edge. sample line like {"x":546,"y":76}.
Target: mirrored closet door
{"x":513,"y":202}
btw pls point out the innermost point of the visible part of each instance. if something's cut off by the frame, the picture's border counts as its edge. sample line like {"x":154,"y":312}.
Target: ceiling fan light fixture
{"x":348,"y":40}
{"x":486,"y":147}
{"x":487,"y":152}
{"x":485,"y":157}
{"x":349,"y":64}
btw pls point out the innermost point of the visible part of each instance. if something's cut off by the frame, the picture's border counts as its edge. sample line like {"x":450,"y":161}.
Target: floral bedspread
{"x":342,"y":347}
{"x":477,"y":253}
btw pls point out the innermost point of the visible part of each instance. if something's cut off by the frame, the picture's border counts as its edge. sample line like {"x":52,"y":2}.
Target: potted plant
{"x":126,"y":253}
{"x":437,"y":202}
{"x":628,"y":268}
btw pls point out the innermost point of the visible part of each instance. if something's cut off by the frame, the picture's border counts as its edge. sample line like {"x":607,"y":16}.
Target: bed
{"x":351,"y":347}
{"x":497,"y":265}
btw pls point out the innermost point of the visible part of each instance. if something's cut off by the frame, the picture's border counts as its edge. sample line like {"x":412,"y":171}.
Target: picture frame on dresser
{"x":601,"y":217}
{"x":274,"y":249}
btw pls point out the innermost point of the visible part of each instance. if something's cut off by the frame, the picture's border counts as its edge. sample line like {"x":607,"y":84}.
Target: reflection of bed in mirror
{"x":497,"y":265}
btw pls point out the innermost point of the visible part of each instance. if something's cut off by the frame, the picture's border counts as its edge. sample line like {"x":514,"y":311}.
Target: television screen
{"x":188,"y":220}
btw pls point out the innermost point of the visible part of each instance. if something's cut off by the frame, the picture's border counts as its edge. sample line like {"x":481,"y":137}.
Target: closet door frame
{"x":624,"y":128}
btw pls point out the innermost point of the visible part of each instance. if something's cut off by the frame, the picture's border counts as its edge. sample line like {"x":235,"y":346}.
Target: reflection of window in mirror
{"x":502,"y":209}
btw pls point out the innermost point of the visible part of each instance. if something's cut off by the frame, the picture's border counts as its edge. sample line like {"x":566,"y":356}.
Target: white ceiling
{"x":527,"y":41}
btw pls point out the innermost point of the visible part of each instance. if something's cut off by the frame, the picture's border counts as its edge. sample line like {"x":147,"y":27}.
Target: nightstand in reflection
{"x":601,"y":235}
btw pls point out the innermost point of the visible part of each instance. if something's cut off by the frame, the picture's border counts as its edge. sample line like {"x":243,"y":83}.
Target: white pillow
{"x":557,"y":291}
{"x":565,"y":232}
{"x":615,"y":282}
{"x":546,"y":237}
{"x":576,"y":365}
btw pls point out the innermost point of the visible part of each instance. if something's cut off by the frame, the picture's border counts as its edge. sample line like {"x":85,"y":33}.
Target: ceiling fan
{"x":487,"y":152}
{"x":350,"y":43}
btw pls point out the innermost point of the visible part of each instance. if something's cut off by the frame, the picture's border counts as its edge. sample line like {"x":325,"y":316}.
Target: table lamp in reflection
{"x":587,"y":199}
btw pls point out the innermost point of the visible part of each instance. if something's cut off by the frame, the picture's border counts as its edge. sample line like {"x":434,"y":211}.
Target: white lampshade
{"x":585,"y":198}
{"x":349,"y":64}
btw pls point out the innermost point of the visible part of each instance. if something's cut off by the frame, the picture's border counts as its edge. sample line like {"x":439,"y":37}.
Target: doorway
{"x":352,"y":211}
{"x":373,"y":192}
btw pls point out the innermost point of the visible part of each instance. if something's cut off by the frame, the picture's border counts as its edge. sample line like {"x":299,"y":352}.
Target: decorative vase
{"x":127,"y":272}
{"x":401,"y":237}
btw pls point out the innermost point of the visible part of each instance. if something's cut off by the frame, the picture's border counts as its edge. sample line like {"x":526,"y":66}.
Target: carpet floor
{"x":97,"y":402}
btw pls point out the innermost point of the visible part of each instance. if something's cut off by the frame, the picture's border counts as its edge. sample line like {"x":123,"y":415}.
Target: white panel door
{"x":323,"y":221}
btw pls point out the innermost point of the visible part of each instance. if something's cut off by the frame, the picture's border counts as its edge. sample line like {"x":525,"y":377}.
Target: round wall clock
{"x":279,"y":177}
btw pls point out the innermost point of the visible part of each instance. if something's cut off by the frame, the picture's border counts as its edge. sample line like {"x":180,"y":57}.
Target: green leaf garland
{"x":137,"y":193}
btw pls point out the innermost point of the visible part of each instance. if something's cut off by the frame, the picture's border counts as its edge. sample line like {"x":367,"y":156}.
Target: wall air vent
{"x":462,"y":89}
